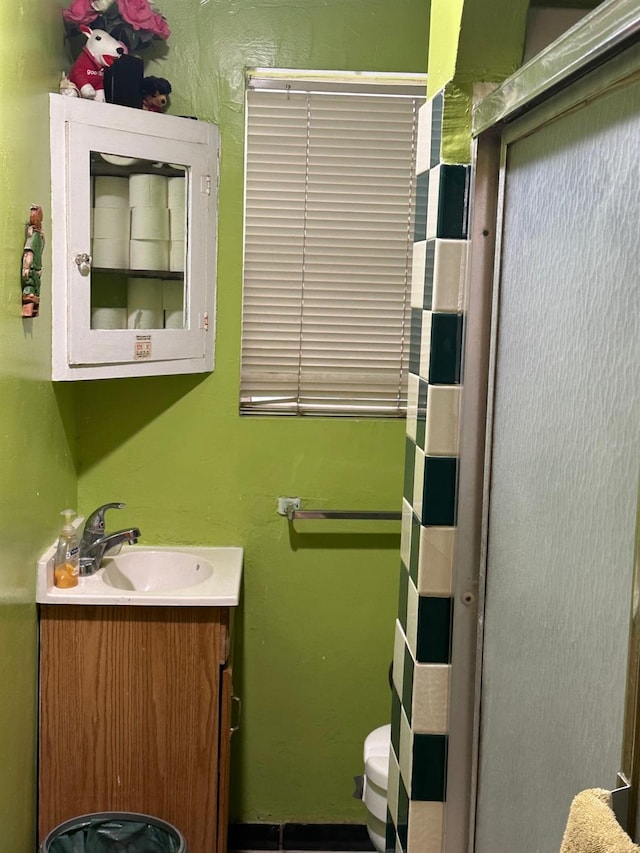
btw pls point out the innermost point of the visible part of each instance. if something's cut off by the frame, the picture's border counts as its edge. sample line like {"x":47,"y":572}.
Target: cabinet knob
{"x":83,"y":262}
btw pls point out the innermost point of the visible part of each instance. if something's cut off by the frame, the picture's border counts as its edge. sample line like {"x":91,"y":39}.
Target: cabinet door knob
{"x":83,"y":262}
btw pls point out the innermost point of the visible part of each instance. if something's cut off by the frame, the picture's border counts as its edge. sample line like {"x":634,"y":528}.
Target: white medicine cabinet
{"x":134,"y":201}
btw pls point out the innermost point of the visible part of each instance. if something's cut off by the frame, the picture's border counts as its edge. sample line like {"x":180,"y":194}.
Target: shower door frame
{"x":600,"y":52}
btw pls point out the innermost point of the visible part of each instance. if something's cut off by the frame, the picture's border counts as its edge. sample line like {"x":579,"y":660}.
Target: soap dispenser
{"x":66,"y":566}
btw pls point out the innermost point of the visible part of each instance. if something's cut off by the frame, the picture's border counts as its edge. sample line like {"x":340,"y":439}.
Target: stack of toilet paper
{"x":173,"y":304}
{"x":110,"y":223}
{"x":139,"y":223}
{"x":177,"y":224}
{"x":149,"y":247}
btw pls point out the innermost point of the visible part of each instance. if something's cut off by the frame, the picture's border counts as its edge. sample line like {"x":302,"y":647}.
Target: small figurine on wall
{"x":86,"y":78}
{"x":155,"y":94}
{"x":32,"y":263}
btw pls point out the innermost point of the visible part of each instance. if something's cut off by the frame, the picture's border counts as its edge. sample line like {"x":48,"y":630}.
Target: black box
{"x":123,"y":82}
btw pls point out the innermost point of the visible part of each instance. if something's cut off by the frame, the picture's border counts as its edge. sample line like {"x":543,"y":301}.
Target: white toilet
{"x":377,"y":747}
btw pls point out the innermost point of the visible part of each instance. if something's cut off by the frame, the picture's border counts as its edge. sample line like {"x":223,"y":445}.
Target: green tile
{"x":434,"y":629}
{"x":403,"y":815}
{"x":429,"y":774}
{"x":415,"y":341}
{"x":445,"y":358}
{"x":439,"y":492}
{"x":422,"y":199}
{"x":390,"y":834}
{"x":453,"y":202}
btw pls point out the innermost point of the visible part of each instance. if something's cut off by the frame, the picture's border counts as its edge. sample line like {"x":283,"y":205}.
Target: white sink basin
{"x":152,"y":575}
{"x":155,"y":571}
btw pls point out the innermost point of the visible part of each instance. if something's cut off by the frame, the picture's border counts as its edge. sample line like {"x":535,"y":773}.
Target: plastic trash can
{"x":114,"y":832}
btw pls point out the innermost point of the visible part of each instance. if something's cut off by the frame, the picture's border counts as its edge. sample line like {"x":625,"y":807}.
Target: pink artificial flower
{"x":80,"y":12}
{"x":141,"y":16}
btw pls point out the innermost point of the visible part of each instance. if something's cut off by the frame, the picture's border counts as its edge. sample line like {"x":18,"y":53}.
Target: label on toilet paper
{"x":142,"y":347}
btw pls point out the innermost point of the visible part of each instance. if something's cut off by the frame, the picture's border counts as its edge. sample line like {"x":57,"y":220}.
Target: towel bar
{"x":368,"y":515}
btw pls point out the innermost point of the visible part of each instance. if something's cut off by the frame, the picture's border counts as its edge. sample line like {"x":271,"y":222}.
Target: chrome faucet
{"x":96,"y":542}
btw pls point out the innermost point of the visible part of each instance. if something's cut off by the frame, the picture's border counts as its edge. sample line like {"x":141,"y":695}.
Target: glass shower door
{"x":564,"y":465}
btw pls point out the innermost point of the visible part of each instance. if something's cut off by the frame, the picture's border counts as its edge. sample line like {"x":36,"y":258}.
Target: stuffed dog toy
{"x":86,"y":78}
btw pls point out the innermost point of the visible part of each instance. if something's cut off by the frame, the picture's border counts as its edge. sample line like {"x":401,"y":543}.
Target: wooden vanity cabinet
{"x":135,"y":709}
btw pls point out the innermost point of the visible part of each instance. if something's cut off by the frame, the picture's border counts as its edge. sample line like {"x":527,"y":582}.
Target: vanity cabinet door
{"x":130,"y":715}
{"x":134,"y":241}
{"x":224,"y":760}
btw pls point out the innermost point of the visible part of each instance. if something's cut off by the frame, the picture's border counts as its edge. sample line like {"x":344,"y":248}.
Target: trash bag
{"x":115,"y":833}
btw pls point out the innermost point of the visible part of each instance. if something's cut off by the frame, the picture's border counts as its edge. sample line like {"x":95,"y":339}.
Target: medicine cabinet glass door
{"x":134,"y":246}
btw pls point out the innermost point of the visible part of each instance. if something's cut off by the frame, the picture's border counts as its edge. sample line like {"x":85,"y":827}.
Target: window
{"x":329,"y":203}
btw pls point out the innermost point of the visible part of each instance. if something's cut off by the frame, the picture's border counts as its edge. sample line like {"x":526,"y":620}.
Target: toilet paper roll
{"x":109,"y":318}
{"x":110,"y":253}
{"x":149,"y":254}
{"x":144,"y":318}
{"x":150,"y":223}
{"x":144,"y":303}
{"x":110,"y":223}
{"x":174,"y":320}
{"x":176,"y":256}
{"x":176,"y":192}
{"x":178,"y":225}
{"x":172,"y":295}
{"x":111,"y":192}
{"x":148,"y":191}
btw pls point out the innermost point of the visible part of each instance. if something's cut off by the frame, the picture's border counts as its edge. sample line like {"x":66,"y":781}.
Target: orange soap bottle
{"x":66,"y":566}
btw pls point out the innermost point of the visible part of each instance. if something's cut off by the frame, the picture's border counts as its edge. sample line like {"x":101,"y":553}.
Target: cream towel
{"x":592,"y":826}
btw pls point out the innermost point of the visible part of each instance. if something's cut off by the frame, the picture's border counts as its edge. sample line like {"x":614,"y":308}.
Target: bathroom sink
{"x":154,"y":571}
{"x":152,"y":575}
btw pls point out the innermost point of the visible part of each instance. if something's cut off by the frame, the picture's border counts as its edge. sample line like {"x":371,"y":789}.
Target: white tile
{"x":418,"y":482}
{"x":418,"y":266}
{"x":394,"y":785}
{"x":441,"y":433}
{"x":430,"y":706}
{"x":432,"y":202}
{"x":426,"y":820}
{"x":449,"y":275}
{"x":413,"y":386}
{"x":425,"y":345}
{"x":412,"y":618}
{"x":399,"y":646}
{"x":405,"y":532}
{"x":435,"y":561}
{"x":406,"y":750}
{"x":423,"y":154}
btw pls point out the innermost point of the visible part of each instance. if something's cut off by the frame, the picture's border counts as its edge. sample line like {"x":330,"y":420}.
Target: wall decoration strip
{"x":422,"y":646}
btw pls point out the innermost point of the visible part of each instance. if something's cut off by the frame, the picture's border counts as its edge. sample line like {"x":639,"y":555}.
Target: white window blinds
{"x":329,"y":203}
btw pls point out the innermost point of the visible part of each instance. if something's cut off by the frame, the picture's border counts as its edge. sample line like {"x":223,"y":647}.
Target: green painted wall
{"x":37,"y":476}
{"x":315,"y":631}
{"x":444,"y":29}
{"x":472,"y":41}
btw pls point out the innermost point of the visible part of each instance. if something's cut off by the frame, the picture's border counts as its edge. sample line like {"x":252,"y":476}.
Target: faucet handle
{"x":95,"y":523}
